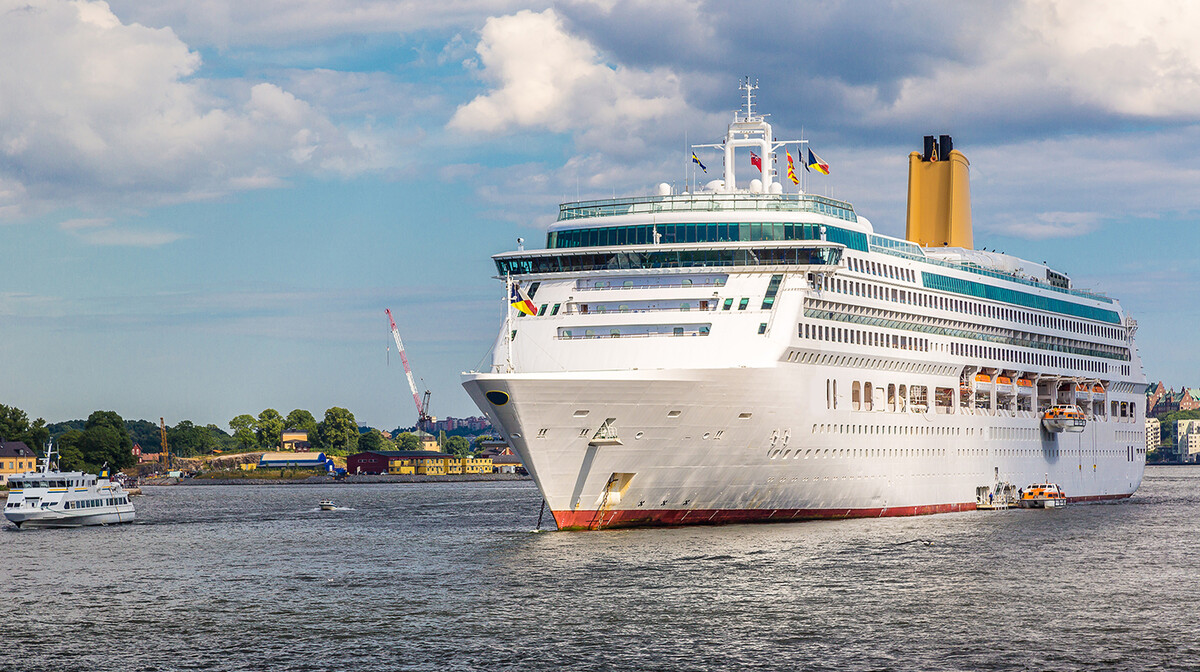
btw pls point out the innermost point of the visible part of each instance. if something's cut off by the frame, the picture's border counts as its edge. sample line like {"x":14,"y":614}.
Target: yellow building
{"x":294,"y":439}
{"x":15,"y":458}
{"x":428,"y":441}
{"x":432,"y":467}
{"x":477,"y":465}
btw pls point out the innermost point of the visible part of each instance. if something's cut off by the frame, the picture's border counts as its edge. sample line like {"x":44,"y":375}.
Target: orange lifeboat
{"x":1064,"y":418}
{"x":1042,"y":496}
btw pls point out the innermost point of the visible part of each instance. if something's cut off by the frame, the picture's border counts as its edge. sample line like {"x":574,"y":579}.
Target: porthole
{"x":581,"y":413}
{"x":639,"y":435}
{"x":674,"y":414}
{"x":744,"y":416}
{"x":497,"y":397}
{"x":706,"y":435}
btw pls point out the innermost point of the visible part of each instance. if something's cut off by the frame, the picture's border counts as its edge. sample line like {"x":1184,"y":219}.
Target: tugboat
{"x":1064,"y":418}
{"x":53,"y":498}
{"x":1043,"y":496}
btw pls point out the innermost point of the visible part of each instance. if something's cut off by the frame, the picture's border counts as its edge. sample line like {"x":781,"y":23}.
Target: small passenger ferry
{"x":52,"y":498}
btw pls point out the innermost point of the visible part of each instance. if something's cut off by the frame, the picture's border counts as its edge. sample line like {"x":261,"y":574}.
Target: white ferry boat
{"x":737,"y":353}
{"x":52,"y":498}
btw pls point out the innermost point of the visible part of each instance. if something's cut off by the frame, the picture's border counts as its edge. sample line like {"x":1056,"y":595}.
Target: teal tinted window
{"x":772,"y":290}
{"x":743,"y":303}
{"x":728,"y":304}
{"x":980,"y":290}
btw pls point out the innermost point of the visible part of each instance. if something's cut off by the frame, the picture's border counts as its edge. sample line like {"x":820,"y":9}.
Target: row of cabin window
{"x":1031,"y":358}
{"x":882,"y":270}
{"x":956,"y":305}
{"x":91,"y":503}
{"x":71,"y":483}
{"x":926,"y":324}
{"x":821,"y":332}
{"x":585,"y":309}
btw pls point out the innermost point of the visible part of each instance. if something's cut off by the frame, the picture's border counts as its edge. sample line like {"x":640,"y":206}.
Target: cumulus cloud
{"x":545,"y":77}
{"x":98,"y":113}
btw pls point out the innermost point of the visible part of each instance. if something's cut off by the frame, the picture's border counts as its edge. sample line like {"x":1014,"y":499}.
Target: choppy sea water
{"x":451,"y":577}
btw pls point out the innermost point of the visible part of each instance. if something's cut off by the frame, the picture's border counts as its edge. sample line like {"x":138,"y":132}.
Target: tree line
{"x":106,"y":438}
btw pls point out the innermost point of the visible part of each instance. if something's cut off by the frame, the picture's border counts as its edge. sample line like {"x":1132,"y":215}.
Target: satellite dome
{"x":664,"y":189}
{"x":756,"y":186}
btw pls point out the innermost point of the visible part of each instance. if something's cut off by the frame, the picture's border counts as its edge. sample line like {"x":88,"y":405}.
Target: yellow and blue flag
{"x":521,"y":301}
{"x":815,"y":163}
{"x":696,"y":160}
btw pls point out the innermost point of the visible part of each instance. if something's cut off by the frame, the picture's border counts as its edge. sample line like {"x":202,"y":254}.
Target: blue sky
{"x":205,"y":207}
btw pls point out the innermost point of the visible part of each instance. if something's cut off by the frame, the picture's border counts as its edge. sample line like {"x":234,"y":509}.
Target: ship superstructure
{"x":745,"y":354}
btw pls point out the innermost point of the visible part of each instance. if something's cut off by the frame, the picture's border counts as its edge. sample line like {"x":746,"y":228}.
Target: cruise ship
{"x":736,"y":353}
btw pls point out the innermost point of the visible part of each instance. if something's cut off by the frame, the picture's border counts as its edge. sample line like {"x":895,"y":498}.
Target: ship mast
{"x":752,"y":131}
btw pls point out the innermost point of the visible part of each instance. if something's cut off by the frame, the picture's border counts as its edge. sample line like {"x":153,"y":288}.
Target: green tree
{"x":408,"y":441}
{"x":243,"y":427}
{"x":373,"y":439}
{"x":105,"y":441}
{"x":187,"y":440}
{"x":457,"y":445}
{"x":302,"y":420}
{"x":70,"y":451}
{"x":269,"y":429}
{"x":15,"y":426}
{"x":338,"y":431}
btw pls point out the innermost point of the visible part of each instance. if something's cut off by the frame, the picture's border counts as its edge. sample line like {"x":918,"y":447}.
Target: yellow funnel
{"x":939,"y":198}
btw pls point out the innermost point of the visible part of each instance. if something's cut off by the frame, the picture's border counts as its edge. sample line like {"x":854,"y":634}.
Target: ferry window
{"x":868,"y":396}
{"x":678,"y":331}
{"x":743,"y":303}
{"x":615,"y":333}
{"x":542,"y":310}
{"x":685,"y":306}
{"x":728,"y":304}
{"x":583,"y":308}
{"x":554,"y":310}
{"x":762,"y":328}
{"x":533,"y":289}
{"x":856,"y":396}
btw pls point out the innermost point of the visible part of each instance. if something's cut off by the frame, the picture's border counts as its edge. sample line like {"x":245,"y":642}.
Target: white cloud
{"x":1045,"y":225}
{"x":545,"y":77}
{"x":100,"y":231}
{"x":98,"y":113}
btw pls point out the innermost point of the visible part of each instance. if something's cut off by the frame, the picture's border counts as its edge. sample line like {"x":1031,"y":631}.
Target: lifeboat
{"x":1042,"y":496}
{"x":1024,"y":386}
{"x":983,"y":383}
{"x":1098,"y":392}
{"x":1004,"y":385}
{"x":1083,"y":392}
{"x":1063,"y":418}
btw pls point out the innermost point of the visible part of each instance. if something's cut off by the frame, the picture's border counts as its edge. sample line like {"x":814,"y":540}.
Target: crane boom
{"x":422,"y":412}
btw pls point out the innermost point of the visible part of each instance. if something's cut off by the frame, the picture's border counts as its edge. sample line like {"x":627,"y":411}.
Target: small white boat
{"x":327,"y":505}
{"x":52,"y":498}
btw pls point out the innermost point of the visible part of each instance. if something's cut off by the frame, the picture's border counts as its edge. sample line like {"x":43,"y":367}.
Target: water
{"x":451,"y":577}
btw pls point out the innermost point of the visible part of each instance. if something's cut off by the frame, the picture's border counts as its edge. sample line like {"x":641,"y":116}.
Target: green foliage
{"x":338,"y":431}
{"x":457,"y":445}
{"x":145,"y":434}
{"x":15,"y":426}
{"x":243,"y":427}
{"x":103,"y":440}
{"x":302,"y":420}
{"x":269,"y":429}
{"x":188,"y":440}
{"x":70,"y":451}
{"x":408,"y":441}
{"x":372,"y":439}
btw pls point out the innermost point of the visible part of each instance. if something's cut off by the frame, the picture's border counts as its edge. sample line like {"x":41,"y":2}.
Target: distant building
{"x":294,"y":439}
{"x":295,"y":461}
{"x":1153,"y":435}
{"x":15,"y":458}
{"x":428,"y":441}
{"x":1169,"y":401}
{"x":1184,"y":431}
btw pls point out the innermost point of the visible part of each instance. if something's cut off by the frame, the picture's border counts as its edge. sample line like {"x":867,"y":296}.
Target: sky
{"x":206,"y":205}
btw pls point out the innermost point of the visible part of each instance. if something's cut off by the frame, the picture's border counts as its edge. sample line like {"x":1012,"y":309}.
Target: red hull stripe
{"x":592,"y":520}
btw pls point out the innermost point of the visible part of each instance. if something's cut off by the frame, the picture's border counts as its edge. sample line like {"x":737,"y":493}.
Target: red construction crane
{"x":423,"y":418}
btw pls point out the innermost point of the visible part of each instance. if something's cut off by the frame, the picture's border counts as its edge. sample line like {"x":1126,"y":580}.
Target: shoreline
{"x":329,"y":480}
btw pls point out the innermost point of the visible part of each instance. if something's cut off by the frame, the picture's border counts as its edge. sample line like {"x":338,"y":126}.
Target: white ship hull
{"x":759,"y":444}
{"x":49,"y":518}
